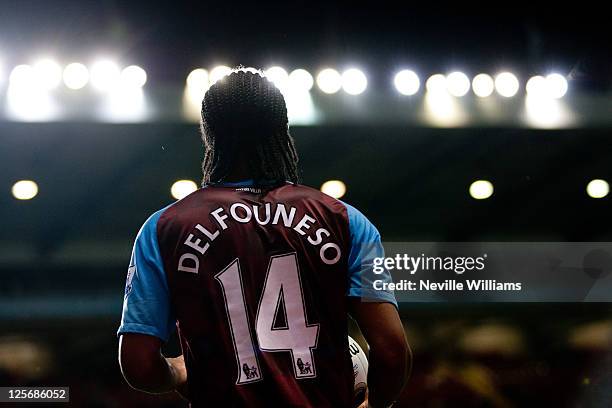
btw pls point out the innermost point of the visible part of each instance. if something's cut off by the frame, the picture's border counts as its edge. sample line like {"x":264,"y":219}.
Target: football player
{"x":259,"y":275}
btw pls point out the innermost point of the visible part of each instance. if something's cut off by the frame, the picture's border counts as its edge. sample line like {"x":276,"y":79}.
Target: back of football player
{"x":259,"y":274}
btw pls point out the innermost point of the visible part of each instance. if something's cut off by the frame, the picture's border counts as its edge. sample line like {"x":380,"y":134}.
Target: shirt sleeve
{"x":365,"y":246}
{"x":146,"y":304}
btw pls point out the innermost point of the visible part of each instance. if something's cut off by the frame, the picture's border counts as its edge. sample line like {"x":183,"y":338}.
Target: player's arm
{"x":376,"y":313}
{"x":147,"y":320}
{"x":145,"y":368}
{"x":389,"y":358}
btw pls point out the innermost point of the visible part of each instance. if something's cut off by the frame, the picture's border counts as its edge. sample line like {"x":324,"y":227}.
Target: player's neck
{"x":238,"y":174}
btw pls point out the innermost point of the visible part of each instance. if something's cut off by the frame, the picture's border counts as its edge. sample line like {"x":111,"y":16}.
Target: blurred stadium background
{"x":440,"y":127}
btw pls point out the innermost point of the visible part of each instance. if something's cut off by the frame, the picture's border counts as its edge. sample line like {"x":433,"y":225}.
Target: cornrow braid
{"x":244,"y":117}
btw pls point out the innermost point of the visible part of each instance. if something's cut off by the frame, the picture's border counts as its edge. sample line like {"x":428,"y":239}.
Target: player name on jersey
{"x":201,"y":238}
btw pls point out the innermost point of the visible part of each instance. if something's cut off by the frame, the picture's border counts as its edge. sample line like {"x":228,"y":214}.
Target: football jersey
{"x":256,"y":281}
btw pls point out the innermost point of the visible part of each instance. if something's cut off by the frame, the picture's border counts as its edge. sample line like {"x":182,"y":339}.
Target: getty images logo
{"x":412,"y":264}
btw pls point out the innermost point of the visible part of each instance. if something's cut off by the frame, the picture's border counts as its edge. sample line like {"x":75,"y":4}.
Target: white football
{"x":360,"y":368}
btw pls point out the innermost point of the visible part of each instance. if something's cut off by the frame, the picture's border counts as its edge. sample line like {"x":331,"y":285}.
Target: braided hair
{"x":244,"y":119}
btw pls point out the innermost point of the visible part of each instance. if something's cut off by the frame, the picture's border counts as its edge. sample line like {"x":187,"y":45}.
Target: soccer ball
{"x":360,"y":369}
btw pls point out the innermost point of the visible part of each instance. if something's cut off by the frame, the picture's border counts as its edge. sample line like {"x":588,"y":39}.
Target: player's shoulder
{"x":301,"y":192}
{"x":304,"y":192}
{"x":360,"y":225}
{"x":186,"y":207}
{"x":149,"y":227}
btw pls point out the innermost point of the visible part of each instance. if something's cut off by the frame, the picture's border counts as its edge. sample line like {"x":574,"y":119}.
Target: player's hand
{"x":180,"y":375}
{"x":364,"y":404}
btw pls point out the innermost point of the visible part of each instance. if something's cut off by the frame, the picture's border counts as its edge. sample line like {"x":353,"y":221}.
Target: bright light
{"x":76,"y":76}
{"x":407,"y":82}
{"x":329,"y":81}
{"x":441,"y":109}
{"x":182,"y":188}
{"x":553,"y":86}
{"x":24,"y":190}
{"x":300,"y":108}
{"x":334,"y":188}
{"x":544,"y":112}
{"x":197,"y":85}
{"x":105,"y":75}
{"x":198,"y":79}
{"x":218,"y":73}
{"x":300,"y":79}
{"x":26,"y":100}
{"x":22,"y":76}
{"x":124,"y":105}
{"x":536,"y":86}
{"x":557,"y":85}
{"x":133,"y":76}
{"x":483,"y":85}
{"x":436,"y":84}
{"x":29,"y":104}
{"x":48,"y":73}
{"x":457,"y":84}
{"x":506,"y":84}
{"x":598,"y":188}
{"x":354,"y":81}
{"x":278,"y":76}
{"x":481,"y":189}
{"x":542,"y":107}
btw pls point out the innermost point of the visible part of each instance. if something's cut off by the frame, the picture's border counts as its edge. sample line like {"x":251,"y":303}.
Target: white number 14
{"x":282,"y":288}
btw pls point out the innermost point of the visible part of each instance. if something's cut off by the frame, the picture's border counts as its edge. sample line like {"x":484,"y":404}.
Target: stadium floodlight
{"x":598,"y":188}
{"x":22,"y":76}
{"x":124,"y":104}
{"x":334,"y":188}
{"x":182,"y":188}
{"x":48,"y":73}
{"x":197,"y":85}
{"x":557,"y":85}
{"x":483,"y":85}
{"x":506,"y":84}
{"x":26,"y":100}
{"x":457,"y":84}
{"x":329,"y":81}
{"x":301,"y":80}
{"x":481,"y":189}
{"x":24,"y":190}
{"x":197,"y":80}
{"x":105,"y":75}
{"x":542,"y":111}
{"x":537,"y":87}
{"x":133,"y":77}
{"x":441,"y":108}
{"x":354,"y":81}
{"x":278,"y":76}
{"x":76,"y":75}
{"x":407,"y":82}
{"x":218,"y":73}
{"x":436,"y":84}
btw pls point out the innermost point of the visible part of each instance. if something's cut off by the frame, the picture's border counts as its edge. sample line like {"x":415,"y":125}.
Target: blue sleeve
{"x":146,"y":304}
{"x":365,"y":246}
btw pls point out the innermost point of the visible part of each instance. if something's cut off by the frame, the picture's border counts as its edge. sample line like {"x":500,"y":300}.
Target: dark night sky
{"x":169,"y":38}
